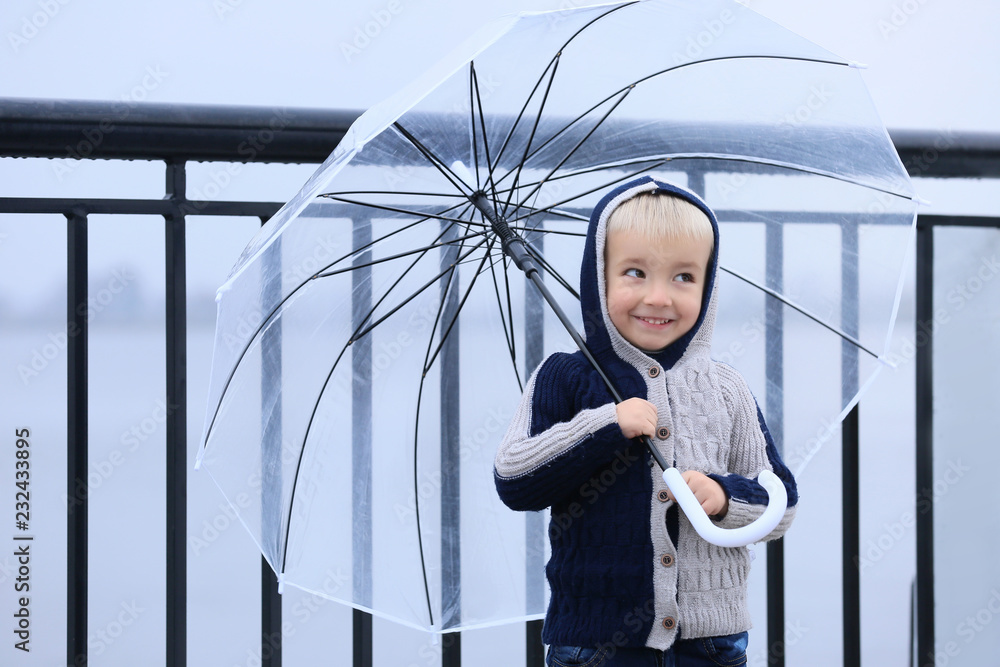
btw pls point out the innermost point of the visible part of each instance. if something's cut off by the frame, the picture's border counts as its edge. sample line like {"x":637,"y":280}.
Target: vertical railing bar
{"x":362,"y":638}
{"x":925,"y":444}
{"x":534,"y":522}
{"x":851,"y":538}
{"x":451,"y":555}
{"x":76,"y":439}
{"x":270,"y":617}
{"x":176,"y":446}
{"x":774,"y":350}
{"x":361,"y":445}
{"x":271,"y":472}
{"x":850,"y":490}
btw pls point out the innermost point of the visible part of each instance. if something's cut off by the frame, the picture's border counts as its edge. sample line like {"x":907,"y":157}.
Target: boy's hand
{"x":636,"y":417}
{"x":708,"y":492}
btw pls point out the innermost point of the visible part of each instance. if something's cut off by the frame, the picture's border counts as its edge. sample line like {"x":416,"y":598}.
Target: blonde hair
{"x":658,"y":215}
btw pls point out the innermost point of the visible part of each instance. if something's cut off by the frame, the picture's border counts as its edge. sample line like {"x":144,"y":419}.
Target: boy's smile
{"x":654,"y":287}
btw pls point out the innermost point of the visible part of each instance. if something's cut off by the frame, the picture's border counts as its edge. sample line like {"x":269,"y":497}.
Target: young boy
{"x":632,"y":583}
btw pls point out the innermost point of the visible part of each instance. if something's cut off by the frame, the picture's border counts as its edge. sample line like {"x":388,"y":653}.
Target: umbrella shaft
{"x":513,"y":245}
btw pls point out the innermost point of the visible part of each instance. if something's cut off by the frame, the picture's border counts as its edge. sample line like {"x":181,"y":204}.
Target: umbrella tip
{"x":856,"y":65}
{"x":888,"y":362}
{"x":463,"y":173}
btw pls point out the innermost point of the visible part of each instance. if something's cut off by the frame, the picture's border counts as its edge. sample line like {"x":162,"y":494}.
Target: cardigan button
{"x":654,"y":371}
{"x":663,"y":433}
{"x":663,"y":496}
{"x":669,"y":623}
{"x":667,"y":560}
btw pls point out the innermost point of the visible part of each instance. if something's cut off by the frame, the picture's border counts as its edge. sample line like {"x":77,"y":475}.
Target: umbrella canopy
{"x":373,"y":340}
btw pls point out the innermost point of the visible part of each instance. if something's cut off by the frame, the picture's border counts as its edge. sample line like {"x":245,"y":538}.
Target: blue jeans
{"x":726,"y":651}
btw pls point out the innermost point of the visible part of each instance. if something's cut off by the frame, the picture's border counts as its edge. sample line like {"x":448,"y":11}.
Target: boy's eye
{"x":635,"y":273}
{"x":685,"y":278}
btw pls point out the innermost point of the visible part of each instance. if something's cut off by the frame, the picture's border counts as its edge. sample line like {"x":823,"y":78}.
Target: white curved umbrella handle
{"x":777,"y":502}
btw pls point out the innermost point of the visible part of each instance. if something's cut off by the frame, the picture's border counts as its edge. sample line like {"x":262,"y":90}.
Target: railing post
{"x":451,"y":554}
{"x":271,"y":443}
{"x":925,"y":444}
{"x":76,"y":440}
{"x":534,"y":522}
{"x":361,"y":446}
{"x":176,"y":454}
{"x":774,"y":347}
{"x":850,"y":507}
{"x":850,"y":525}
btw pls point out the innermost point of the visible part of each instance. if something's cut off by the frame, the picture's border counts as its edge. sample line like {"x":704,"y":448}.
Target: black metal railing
{"x":177,"y":135}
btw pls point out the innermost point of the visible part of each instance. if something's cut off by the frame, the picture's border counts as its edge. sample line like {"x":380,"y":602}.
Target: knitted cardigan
{"x":627,"y":568}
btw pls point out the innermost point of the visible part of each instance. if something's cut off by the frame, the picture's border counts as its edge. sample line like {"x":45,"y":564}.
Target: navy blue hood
{"x":598,"y":329}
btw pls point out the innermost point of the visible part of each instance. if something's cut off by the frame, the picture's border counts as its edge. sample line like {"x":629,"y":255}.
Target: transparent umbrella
{"x":373,"y":339}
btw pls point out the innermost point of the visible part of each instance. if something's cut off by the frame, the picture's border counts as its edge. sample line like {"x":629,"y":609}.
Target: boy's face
{"x":654,"y":288}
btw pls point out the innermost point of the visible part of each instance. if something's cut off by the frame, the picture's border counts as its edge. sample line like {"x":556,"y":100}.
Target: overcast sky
{"x":932,"y":64}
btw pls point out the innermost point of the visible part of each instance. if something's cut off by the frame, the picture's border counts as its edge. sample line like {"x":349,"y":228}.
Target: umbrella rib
{"x":815,"y":318}
{"x":517,"y":119}
{"x":602,"y":187}
{"x":416,"y":444}
{"x":401,"y":255}
{"x":566,"y":157}
{"x":399,"y":230}
{"x":416,"y":499}
{"x":658,"y":162}
{"x":435,"y":161}
{"x":399,"y":279}
{"x":474,"y":93}
{"x":670,"y":69}
{"x":551,"y":271}
{"x":390,"y":192}
{"x":393,"y":209}
{"x":278,"y":306}
{"x":791,"y":167}
{"x":510,"y":317}
{"x":486,"y":143}
{"x":302,"y":450}
{"x":429,"y":360}
{"x":419,"y":291}
{"x":545,"y":265}
{"x":534,"y":129}
{"x":319,"y":398}
{"x":649,"y":163}
{"x":557,"y":232}
{"x":579,"y":217}
{"x":541,"y":77}
{"x":508,"y":334}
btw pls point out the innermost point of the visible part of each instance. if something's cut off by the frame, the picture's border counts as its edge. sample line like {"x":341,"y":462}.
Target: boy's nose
{"x":658,"y":295}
